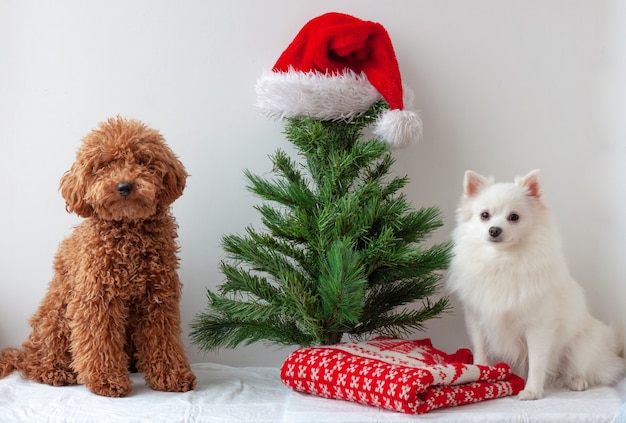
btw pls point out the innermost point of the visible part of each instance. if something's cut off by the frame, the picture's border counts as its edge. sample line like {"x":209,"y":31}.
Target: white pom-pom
{"x":398,"y":128}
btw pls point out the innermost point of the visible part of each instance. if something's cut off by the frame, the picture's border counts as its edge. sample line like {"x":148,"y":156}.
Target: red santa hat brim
{"x":295,"y":94}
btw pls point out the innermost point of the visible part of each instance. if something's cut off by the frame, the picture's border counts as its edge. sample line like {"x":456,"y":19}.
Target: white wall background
{"x":504,"y":86}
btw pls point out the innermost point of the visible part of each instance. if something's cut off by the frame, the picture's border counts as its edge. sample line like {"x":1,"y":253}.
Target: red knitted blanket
{"x":401,"y":375}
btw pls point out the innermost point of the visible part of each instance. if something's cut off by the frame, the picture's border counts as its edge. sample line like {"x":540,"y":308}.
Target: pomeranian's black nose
{"x":495,"y":231}
{"x":124,"y":189}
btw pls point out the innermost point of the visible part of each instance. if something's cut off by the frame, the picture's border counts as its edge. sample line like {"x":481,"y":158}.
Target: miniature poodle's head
{"x":123,"y":171}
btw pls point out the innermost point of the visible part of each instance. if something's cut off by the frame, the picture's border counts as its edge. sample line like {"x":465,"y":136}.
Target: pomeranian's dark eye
{"x":514,"y":217}
{"x":485,"y":215}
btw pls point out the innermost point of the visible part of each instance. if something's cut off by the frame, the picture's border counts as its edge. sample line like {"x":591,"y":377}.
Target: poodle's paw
{"x":578,"y":384}
{"x":56,"y":377}
{"x":529,"y":394}
{"x":111,"y":386}
{"x":180,"y":380}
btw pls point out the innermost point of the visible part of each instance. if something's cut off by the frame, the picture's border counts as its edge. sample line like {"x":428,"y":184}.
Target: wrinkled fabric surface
{"x":230,"y":394}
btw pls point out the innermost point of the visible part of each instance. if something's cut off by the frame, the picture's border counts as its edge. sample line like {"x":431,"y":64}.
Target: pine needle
{"x":339,"y":253}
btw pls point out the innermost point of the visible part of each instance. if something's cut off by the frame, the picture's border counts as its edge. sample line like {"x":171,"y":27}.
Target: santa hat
{"x":336,"y":68}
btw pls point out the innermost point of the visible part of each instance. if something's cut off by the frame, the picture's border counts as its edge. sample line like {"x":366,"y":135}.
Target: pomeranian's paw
{"x":481,"y":359}
{"x":577,"y":384}
{"x":529,"y":394}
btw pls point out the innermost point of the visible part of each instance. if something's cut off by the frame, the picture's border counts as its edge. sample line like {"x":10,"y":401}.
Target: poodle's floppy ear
{"x":73,"y":189}
{"x":473,"y":183}
{"x":174,"y":179}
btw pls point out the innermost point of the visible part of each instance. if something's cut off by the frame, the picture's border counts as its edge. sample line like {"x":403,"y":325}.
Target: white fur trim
{"x":398,"y":128}
{"x":321,"y":96}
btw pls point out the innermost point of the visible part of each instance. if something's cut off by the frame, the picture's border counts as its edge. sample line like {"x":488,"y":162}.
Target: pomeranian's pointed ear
{"x":531,"y":183}
{"x":473,"y":183}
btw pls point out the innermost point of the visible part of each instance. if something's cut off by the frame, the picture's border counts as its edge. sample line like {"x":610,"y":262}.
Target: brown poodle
{"x":114,"y":299}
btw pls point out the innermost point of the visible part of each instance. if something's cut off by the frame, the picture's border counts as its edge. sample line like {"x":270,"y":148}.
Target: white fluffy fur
{"x":521,"y":304}
{"x":399,"y":128}
{"x":295,"y":94}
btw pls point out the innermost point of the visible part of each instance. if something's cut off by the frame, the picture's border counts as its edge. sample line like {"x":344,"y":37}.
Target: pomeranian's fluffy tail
{"x":10,"y":360}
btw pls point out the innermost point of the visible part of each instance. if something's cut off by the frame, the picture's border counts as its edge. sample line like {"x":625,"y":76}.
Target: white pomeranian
{"x":521,"y":304}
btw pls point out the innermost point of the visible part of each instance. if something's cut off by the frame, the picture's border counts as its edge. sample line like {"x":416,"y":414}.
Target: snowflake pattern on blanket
{"x":408,"y":376}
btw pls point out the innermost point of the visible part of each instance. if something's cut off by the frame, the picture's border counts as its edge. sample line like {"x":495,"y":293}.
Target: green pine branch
{"x":340,"y":252}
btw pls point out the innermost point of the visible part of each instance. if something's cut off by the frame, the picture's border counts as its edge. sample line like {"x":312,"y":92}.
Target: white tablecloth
{"x":230,"y":394}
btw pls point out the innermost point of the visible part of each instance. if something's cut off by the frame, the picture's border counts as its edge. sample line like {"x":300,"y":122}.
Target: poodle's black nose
{"x":124,"y":189}
{"x":494,"y":231}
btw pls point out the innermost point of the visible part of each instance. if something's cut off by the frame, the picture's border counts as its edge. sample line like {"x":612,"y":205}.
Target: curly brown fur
{"x":114,"y":299}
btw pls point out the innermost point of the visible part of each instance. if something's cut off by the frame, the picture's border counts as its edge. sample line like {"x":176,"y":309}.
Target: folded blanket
{"x":409,"y":376}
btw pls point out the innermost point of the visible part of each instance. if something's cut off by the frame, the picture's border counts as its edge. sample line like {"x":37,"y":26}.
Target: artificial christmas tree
{"x":341,"y":252}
